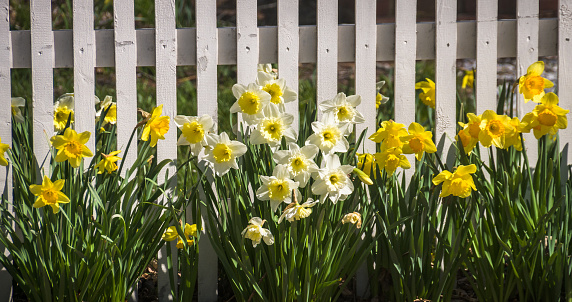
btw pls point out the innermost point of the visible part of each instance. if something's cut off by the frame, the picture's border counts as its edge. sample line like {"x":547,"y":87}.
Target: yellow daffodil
{"x":295,"y":211}
{"x":16,"y":104}
{"x":63,"y":110}
{"x":470,"y":132}
{"x":380,"y":99}
{"x":427,"y":95}
{"x":49,"y":194}
{"x":111,"y":107}
{"x":468,"y":79}
{"x":389,"y":134}
{"x":156,"y":127}
{"x":71,"y":146}
{"x":390,"y":159}
{"x":108,"y":162}
{"x":514,"y":139}
{"x":363,"y":177}
{"x":418,"y":141}
{"x":547,"y":117}
{"x":172,"y":234}
{"x":532,"y":85}
{"x":3,"y":149}
{"x":353,"y":218}
{"x":458,"y":183}
{"x":366,"y":163}
{"x":495,"y":129}
{"x":255,"y":232}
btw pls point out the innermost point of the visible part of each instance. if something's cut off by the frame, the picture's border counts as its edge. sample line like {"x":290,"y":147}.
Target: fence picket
{"x":166,"y":77}
{"x":6,"y":127}
{"x":327,"y":51}
{"x":246,"y":41}
{"x":405,"y":53}
{"x":84,"y":73}
{"x":207,"y":49}
{"x":445,"y":77}
{"x":526,"y":54}
{"x":288,"y":51}
{"x":42,"y":52}
{"x":486,"y":78}
{"x":565,"y":76}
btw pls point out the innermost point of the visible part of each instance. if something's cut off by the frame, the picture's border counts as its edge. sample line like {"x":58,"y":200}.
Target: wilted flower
{"x":16,"y":103}
{"x":300,"y":161}
{"x":108,"y":163}
{"x":380,"y":99}
{"x":156,"y":127}
{"x":49,"y":194}
{"x":270,"y":128}
{"x":343,"y":108}
{"x":111,"y":107}
{"x":172,"y":234}
{"x":278,"y":187}
{"x":279,"y":92}
{"x":468,"y":79}
{"x":222,"y":152}
{"x":418,"y":141}
{"x":390,"y":159}
{"x":194,"y":131}
{"x":329,"y":135}
{"x":256,"y":233}
{"x":495,"y":129}
{"x":458,"y":183}
{"x":71,"y":146}
{"x":3,"y":149}
{"x":63,"y":110}
{"x":295,"y":211}
{"x":353,"y":218}
{"x":250,"y":100}
{"x":332,"y":180}
{"x":547,"y":117}
{"x":532,"y":85}
{"x":389,"y":134}
{"x":427,"y":95}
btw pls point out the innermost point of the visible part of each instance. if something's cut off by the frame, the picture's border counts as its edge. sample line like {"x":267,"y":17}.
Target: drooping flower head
{"x":194,"y":131}
{"x":366,"y":163}
{"x":390,"y":159}
{"x":332,"y":181}
{"x":389,"y":134}
{"x":495,"y":129}
{"x":172,"y":234}
{"x":295,"y":211}
{"x":279,"y":92}
{"x":16,"y":104}
{"x":71,"y":146}
{"x":343,"y":108}
{"x":380,"y":99}
{"x":299,"y":161}
{"x":470,"y":132}
{"x":329,"y":135}
{"x":353,"y":218}
{"x":458,"y":183}
{"x":427,"y":95}
{"x":278,"y":187}
{"x":270,"y":128}
{"x":250,"y":101}
{"x":3,"y":149}
{"x":156,"y":127}
{"x":111,"y":108}
{"x":255,"y":232}
{"x":547,"y":117}
{"x":222,"y":152}
{"x":63,"y":110}
{"x":49,"y":194}
{"x":418,"y":141}
{"x":108,"y":162}
{"x":468,"y":79}
{"x":532,"y":85}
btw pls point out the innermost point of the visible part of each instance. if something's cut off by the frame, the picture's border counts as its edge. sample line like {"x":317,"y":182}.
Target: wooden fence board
{"x":486,"y":77}
{"x":327,"y":51}
{"x":288,"y":50}
{"x":445,"y":78}
{"x":565,"y":75}
{"x":247,"y":50}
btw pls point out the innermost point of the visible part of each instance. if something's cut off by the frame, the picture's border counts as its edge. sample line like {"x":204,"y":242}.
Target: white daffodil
{"x":343,"y":108}
{"x":300,"y":161}
{"x":278,"y":187}
{"x":279,"y":92}
{"x":380,"y":99}
{"x":222,"y":152}
{"x":267,"y":68}
{"x":297,"y":211}
{"x":329,"y":135}
{"x":250,"y":101}
{"x":16,"y":103}
{"x":256,"y":233}
{"x":332,"y":180}
{"x":194,"y":131}
{"x":270,"y":128}
{"x":63,"y":109}
{"x":111,"y":107}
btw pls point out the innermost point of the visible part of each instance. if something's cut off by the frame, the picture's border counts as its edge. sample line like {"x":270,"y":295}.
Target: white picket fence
{"x":287,"y":44}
